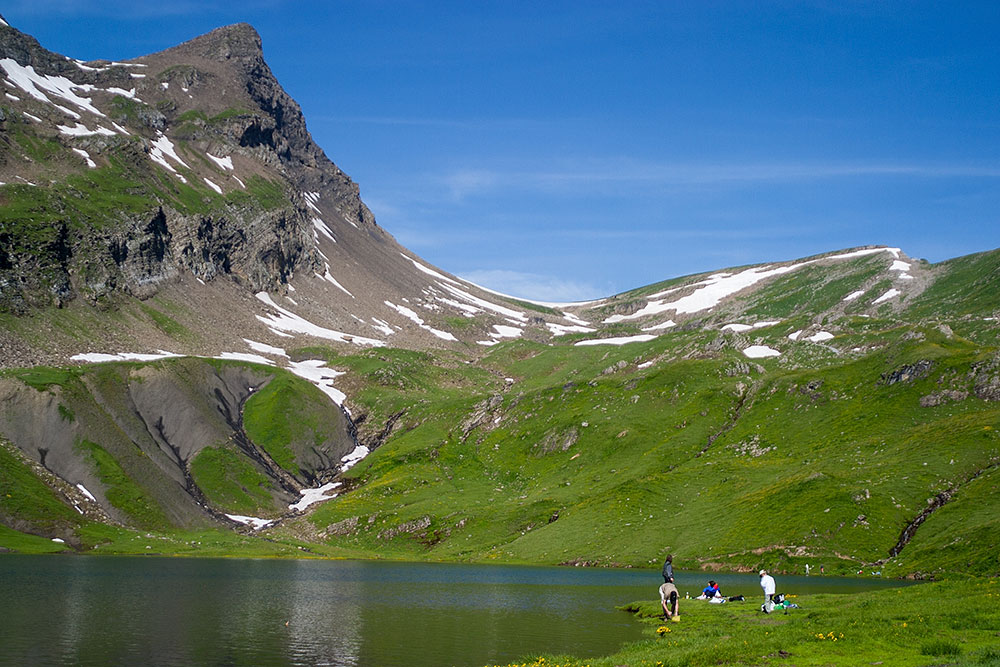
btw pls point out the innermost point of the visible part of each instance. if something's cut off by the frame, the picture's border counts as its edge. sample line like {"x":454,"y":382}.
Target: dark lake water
{"x":171,"y":611}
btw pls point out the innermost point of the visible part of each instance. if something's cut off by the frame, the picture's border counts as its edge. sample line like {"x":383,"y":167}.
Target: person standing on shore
{"x":767,"y":585}
{"x":668,"y":569}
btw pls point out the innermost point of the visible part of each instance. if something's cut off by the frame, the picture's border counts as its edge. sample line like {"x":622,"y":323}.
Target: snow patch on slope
{"x":383,"y":326}
{"x":33,"y":83}
{"x":504,"y":331}
{"x":854,"y":295}
{"x":86,"y":156}
{"x":288,"y":322}
{"x":760,"y":352}
{"x":739,"y":328}
{"x":223,"y":162}
{"x":622,"y":340}
{"x":431,"y":272}
{"x":820,"y":337}
{"x":252,"y":521}
{"x":453,"y":287}
{"x":99,"y":357}
{"x":322,"y":228}
{"x":411,"y":315}
{"x":81,"y":130}
{"x":317,"y":372}
{"x":313,"y":496}
{"x":563,"y":329}
{"x":669,"y":324}
{"x":244,"y":356}
{"x":486,"y":305}
{"x":349,"y":460}
{"x":163,"y":148}
{"x":327,"y":276}
{"x":264,"y":348}
{"x":888,"y":295}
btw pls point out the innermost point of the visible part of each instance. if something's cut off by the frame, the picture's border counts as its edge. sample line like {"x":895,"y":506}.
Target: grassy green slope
{"x":25,"y":500}
{"x":588,"y":457}
{"x":811,"y":289}
{"x":121,"y":490}
{"x":231,"y":483}
{"x":288,"y":416}
{"x":89,"y":414}
{"x":968,"y":285}
{"x":850,"y":460}
{"x":965,"y":295}
{"x":618,"y":454}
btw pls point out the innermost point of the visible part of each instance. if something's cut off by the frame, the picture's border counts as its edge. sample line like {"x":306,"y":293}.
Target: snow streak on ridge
{"x":710,"y":292}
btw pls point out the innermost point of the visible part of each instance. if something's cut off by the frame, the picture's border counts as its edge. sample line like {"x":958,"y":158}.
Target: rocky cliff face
{"x":215,"y":96}
{"x":276,"y":130}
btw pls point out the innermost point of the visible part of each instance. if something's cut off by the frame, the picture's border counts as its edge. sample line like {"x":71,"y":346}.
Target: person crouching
{"x":668,"y":593}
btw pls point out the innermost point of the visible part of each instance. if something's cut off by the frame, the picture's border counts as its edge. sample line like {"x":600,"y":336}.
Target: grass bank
{"x":943,"y":623}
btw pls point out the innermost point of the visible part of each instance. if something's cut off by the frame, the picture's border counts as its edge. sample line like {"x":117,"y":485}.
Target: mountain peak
{"x":238,"y":41}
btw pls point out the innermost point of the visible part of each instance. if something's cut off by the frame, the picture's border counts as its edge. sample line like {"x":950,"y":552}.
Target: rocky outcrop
{"x":485,"y":413}
{"x":276,"y":127}
{"x":215,"y":91}
{"x":407,"y":527}
{"x":986,"y":379}
{"x":346,"y":527}
{"x":260,"y":249}
{"x":937,"y":398}
{"x":556,"y":441}
{"x":907,"y":373}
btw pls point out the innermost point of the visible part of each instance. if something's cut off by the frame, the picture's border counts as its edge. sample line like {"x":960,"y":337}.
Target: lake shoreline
{"x":102,"y":540}
{"x":924,"y":624}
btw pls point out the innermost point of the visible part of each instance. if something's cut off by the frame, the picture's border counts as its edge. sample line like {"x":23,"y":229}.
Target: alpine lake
{"x":174,"y":611}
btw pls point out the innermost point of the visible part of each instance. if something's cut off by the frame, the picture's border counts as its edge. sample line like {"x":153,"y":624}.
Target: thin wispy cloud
{"x":380,"y":207}
{"x":467,"y":182}
{"x":397,"y":120}
{"x":471,"y":181}
{"x":418,"y":237}
{"x":430,"y":121}
{"x":534,"y":286}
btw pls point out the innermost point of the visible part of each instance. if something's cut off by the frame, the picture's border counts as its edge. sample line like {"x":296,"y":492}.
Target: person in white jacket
{"x":767,"y":585}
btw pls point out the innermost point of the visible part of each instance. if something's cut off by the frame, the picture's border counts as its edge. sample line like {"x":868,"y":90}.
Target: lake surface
{"x":171,"y":611}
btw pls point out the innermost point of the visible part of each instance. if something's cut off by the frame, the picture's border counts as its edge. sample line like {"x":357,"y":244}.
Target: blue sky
{"x":570,"y":150}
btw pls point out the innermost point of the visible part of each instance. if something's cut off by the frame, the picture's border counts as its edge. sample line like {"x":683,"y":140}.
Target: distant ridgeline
{"x":209,"y":346}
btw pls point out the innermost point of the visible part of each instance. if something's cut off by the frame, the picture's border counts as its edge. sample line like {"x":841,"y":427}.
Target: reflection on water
{"x":94,"y":610}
